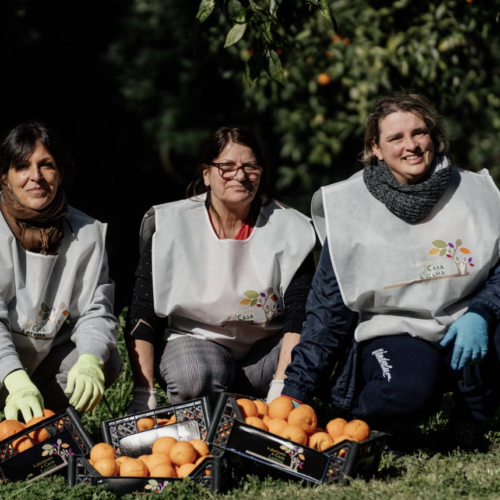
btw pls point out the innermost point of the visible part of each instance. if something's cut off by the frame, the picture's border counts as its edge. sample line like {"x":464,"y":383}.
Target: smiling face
{"x":240,"y":190}
{"x":406,"y":146}
{"x":35,"y":181}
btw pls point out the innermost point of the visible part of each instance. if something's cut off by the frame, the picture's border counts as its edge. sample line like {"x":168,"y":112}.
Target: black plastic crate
{"x":124,"y":435}
{"x":207,"y":474}
{"x":250,"y":448}
{"x":67,"y":437}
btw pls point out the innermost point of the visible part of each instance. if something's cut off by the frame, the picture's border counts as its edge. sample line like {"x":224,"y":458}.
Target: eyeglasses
{"x":228,"y":171}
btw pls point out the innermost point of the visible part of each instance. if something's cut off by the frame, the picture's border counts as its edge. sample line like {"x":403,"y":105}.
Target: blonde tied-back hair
{"x":407,"y":101}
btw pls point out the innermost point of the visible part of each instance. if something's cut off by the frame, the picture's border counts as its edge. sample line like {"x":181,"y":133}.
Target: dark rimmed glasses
{"x":229,"y":170}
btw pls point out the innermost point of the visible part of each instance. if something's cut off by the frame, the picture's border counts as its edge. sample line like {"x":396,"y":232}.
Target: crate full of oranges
{"x":283,"y":440}
{"x":41,"y":446}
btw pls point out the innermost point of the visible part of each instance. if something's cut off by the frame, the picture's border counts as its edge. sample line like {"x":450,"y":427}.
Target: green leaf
{"x":442,"y":252}
{"x":440,"y":243}
{"x":205,"y":9}
{"x":234,"y":9}
{"x":274,"y":6}
{"x":253,"y":68}
{"x":274,"y":68}
{"x":45,"y":307}
{"x":153,"y":483}
{"x":325,"y":10}
{"x":235,"y":34}
{"x":251,"y":294}
{"x":254,"y":301}
{"x":47,"y":447}
{"x":45,"y":316}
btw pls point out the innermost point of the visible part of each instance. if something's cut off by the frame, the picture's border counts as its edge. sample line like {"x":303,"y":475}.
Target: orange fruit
{"x":321,"y":441}
{"x":280,"y":407}
{"x":144,"y":424}
{"x":256,"y":422}
{"x":121,"y":459}
{"x":342,"y":437}
{"x":106,"y":467}
{"x":9,"y":428}
{"x":163,"y":470}
{"x":133,"y":467}
{"x":157,"y":459}
{"x":248,"y":407}
{"x":358,"y":429}
{"x":201,"y":447}
{"x":185,"y":470}
{"x":277,"y":426}
{"x":304,"y":417}
{"x":336,"y":427}
{"x":182,"y":453}
{"x":198,"y":462}
{"x":262,"y":408}
{"x":266,"y":419}
{"x":163,"y":445}
{"x":40,"y":434}
{"x":324,"y":79}
{"x":102,"y":450}
{"x":145,"y":459}
{"x":173,"y":419}
{"x":295,"y":434}
{"x":163,"y":421}
{"x":22,"y":444}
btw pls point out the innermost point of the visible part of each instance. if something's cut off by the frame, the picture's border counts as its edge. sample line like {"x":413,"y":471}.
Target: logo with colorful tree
{"x":54,"y":314}
{"x":267,"y":301}
{"x":57,"y":448}
{"x":296,"y":456}
{"x":460,"y":255}
{"x":155,"y":486}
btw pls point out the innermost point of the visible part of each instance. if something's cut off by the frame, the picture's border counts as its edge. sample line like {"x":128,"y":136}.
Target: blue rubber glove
{"x":470,"y":333}
{"x":86,"y":382}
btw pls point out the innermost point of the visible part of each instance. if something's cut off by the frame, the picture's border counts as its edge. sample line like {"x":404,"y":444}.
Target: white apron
{"x":43,"y":291}
{"x":410,"y":278}
{"x":227,"y":291}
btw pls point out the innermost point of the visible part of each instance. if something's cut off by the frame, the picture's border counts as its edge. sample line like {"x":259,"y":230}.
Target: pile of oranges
{"x":10,"y":427}
{"x":169,"y":458}
{"x":300,"y":424}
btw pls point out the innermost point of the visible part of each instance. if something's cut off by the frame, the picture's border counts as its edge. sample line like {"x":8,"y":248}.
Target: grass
{"x":426,"y":472}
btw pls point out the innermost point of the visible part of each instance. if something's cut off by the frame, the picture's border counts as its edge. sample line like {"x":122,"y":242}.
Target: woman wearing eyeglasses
{"x":230,"y":269}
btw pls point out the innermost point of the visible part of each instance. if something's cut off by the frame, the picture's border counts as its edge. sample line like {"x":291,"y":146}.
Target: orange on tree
{"x":162,"y":470}
{"x":295,"y":434}
{"x":321,"y":441}
{"x":280,"y":407}
{"x":102,"y":450}
{"x":182,"y":453}
{"x":256,"y":422}
{"x":247,"y":407}
{"x":336,"y":427}
{"x":200,"y":446}
{"x":185,"y":470}
{"x":324,"y":79}
{"x":106,"y":467}
{"x":358,"y":429}
{"x":304,"y":417}
{"x":133,"y":467}
{"x":163,"y":445}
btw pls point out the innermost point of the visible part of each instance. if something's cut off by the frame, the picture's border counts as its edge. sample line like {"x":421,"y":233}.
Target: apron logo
{"x":267,"y":301}
{"x":53,"y":314}
{"x":431,"y":270}
{"x":38,"y":329}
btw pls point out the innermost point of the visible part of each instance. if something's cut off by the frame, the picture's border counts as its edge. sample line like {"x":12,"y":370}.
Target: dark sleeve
{"x":296,"y":296}
{"x":326,"y":332}
{"x":487,"y":302}
{"x":142,"y":322}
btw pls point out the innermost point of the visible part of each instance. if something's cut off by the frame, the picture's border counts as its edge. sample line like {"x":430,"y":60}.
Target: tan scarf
{"x":38,"y":231}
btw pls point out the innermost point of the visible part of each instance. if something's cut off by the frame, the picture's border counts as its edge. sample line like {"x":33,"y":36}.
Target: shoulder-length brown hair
{"x":403,"y":100}
{"x":214,"y":147}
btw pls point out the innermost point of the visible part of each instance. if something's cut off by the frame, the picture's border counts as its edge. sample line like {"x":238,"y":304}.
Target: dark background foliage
{"x":135,"y":97}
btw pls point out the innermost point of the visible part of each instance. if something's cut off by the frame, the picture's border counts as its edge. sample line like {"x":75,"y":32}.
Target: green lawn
{"x":427,"y":472}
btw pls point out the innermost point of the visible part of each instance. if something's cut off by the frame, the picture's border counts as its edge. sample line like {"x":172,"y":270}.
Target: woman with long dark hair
{"x":230,"y":268}
{"x":57,"y":328}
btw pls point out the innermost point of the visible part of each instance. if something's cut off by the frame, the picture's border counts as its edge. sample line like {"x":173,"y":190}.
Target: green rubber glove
{"x":23,"y":397}
{"x":86,"y":382}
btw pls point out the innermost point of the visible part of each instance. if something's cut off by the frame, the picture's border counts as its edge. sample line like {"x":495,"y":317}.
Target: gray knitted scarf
{"x":409,"y":202}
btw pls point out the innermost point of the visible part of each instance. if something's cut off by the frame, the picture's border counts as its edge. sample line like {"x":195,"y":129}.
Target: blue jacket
{"x":327,"y":352}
